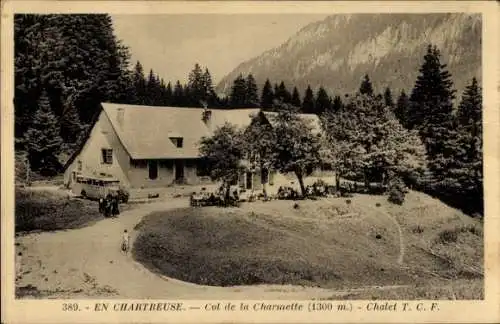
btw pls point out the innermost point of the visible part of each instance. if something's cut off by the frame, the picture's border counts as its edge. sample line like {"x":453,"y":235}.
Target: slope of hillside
{"x":328,"y":243}
{"x":339,"y":50}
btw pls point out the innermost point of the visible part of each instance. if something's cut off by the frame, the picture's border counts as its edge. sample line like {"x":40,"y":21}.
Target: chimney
{"x":120,"y":116}
{"x":207,"y":114}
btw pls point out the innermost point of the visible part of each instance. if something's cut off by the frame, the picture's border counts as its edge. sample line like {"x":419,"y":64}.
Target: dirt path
{"x":87,"y":262}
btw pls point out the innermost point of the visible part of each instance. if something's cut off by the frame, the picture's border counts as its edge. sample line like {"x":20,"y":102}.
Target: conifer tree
{"x":295,"y":101}
{"x":282,"y":94}
{"x":237,"y":98}
{"x":267,"y":97}
{"x":366,"y":86}
{"x":469,"y":114}
{"x":337,"y":104}
{"x":389,"y":102}
{"x":43,"y":139}
{"x":140,"y":84}
{"x":252,"y":95}
{"x":323,"y":102}
{"x":168,"y":94}
{"x":178,"y":95}
{"x":401,"y":108}
{"x":430,"y":110}
{"x":70,"y":122}
{"x":153,"y":89}
{"x":468,"y":153}
{"x":197,"y":86}
{"x":308,"y":103}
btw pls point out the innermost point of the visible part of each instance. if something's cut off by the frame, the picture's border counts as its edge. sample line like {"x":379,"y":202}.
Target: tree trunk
{"x":301,"y":183}
{"x":367,"y":180}
{"x":228,"y":191}
{"x":264,"y":179}
{"x":337,"y":181}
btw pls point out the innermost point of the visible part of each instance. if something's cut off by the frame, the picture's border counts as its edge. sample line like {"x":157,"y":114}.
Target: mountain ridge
{"x":387,"y":47}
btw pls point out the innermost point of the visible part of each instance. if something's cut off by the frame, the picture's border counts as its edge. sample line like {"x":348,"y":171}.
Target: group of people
{"x":287,"y":193}
{"x":109,"y":206}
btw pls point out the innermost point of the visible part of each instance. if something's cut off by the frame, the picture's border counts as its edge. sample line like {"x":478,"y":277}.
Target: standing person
{"x":107,"y":206}
{"x":125,"y":242}
{"x":114,"y":206}
{"x":101,"y":205}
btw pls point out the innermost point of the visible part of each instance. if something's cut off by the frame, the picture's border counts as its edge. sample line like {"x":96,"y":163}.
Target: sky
{"x":172,"y":44}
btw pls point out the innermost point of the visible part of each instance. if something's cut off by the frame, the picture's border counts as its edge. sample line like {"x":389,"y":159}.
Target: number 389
{"x":70,"y":307}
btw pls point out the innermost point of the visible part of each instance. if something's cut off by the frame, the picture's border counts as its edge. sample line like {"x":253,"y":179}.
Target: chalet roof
{"x":145,"y":130}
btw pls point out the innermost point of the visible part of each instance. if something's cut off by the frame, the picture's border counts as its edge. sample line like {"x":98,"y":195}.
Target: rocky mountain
{"x":339,"y":50}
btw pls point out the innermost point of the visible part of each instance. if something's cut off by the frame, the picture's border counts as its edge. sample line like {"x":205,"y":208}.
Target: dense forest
{"x":65,"y":65}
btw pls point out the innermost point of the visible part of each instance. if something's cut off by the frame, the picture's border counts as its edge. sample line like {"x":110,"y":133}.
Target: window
{"x":107,"y":156}
{"x":79,"y":165}
{"x":177,"y":141}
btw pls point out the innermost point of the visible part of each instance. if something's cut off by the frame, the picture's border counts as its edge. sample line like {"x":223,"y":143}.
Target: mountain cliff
{"x":339,"y":50}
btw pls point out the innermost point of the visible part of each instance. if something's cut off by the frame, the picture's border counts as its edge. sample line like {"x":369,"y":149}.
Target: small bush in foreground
{"x":448,"y":236}
{"x":451,"y":235}
{"x":397,"y":191}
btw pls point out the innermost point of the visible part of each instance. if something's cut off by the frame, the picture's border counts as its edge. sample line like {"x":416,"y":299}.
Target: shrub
{"x":448,"y":236}
{"x":348,"y":201}
{"x":397,"y":191}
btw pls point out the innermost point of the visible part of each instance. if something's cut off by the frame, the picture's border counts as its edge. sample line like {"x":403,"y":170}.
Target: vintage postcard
{"x":250,"y":162}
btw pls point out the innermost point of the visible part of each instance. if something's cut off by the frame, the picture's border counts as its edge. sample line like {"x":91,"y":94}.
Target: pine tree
{"x":432,"y":95}
{"x":197,"y":91}
{"x":140,"y":84}
{"x":430,"y":110}
{"x":237,"y":98}
{"x":295,"y":101}
{"x":208,"y":96}
{"x":467,"y":171}
{"x":252,"y":95}
{"x":323,"y":102}
{"x":337,"y":104}
{"x":168,"y":94}
{"x":282,"y":94}
{"x":70,"y":122}
{"x":43,"y":139}
{"x":152,"y":89}
{"x":469,"y":114}
{"x":366,"y":86}
{"x":178,"y":95}
{"x":75,"y":59}
{"x":401,"y":109}
{"x":267,"y":97}
{"x":308,"y":103}
{"x":389,"y":102}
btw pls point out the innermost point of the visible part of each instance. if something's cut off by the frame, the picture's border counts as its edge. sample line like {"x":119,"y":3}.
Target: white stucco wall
{"x":102,"y":136}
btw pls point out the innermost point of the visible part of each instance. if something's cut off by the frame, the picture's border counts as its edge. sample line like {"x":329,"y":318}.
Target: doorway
{"x":153,"y":169}
{"x":249,"y":182}
{"x":179,"y":170}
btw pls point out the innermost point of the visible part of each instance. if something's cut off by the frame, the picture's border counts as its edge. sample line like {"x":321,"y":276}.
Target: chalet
{"x":155,"y":147}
